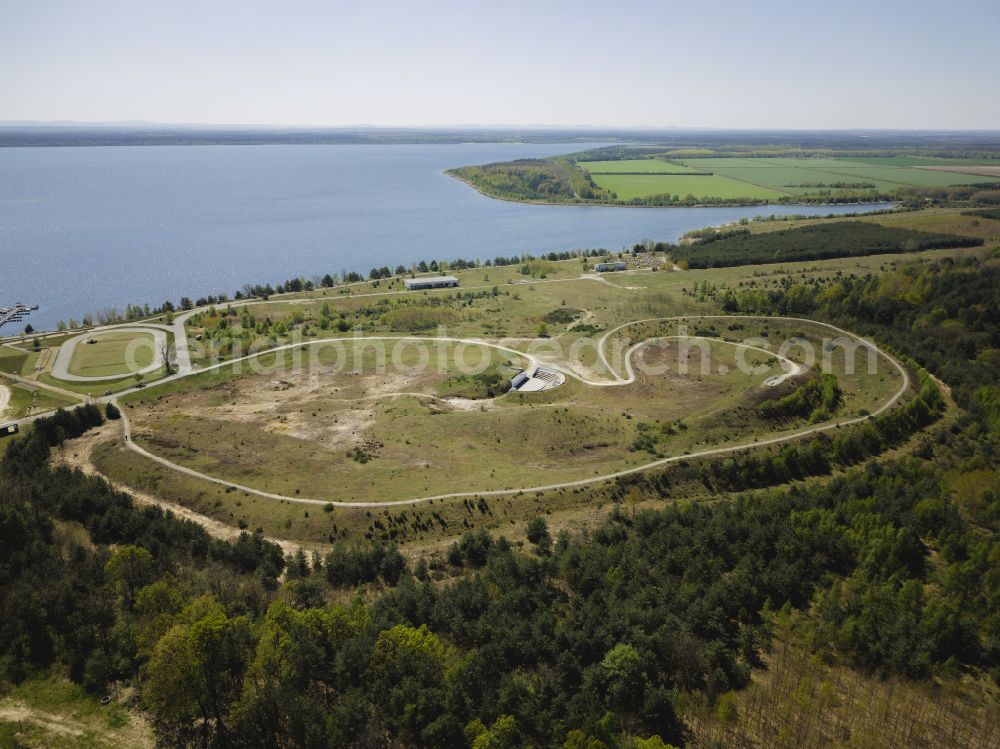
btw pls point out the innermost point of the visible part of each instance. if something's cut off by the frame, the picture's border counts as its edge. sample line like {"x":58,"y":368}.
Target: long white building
{"x":430,"y":282}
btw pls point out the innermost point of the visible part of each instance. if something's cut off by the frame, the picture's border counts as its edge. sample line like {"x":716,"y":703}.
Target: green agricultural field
{"x":113,"y":354}
{"x":745,"y":175}
{"x":798,"y":176}
{"x":916,"y":161}
{"x":701,"y":186}
{"x":631,"y":166}
{"x":905,"y":176}
{"x":788,"y":176}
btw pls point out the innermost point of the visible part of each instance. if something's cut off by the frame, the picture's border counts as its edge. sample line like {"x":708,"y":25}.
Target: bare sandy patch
{"x":18,"y":712}
{"x":332,"y":412}
{"x":312,"y":408}
{"x":4,"y":400}
{"x":584,"y":319}
{"x":604,"y":279}
{"x":70,"y":728}
{"x":471,"y":404}
{"x":346,"y":428}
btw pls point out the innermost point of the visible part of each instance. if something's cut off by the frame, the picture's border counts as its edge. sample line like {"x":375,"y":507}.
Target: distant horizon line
{"x":473,"y":127}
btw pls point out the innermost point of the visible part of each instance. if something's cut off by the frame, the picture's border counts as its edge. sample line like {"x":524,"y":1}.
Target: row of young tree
{"x":809,"y":242}
{"x":819,"y":455}
{"x":991,"y":213}
{"x":695,"y":150}
{"x":819,"y":198}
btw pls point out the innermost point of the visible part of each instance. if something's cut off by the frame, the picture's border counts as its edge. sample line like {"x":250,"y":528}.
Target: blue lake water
{"x":85,"y":229}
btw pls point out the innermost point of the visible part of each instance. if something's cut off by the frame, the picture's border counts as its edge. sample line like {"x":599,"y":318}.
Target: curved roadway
{"x":792,"y":366}
{"x":185,"y":369}
{"x":60,"y":368}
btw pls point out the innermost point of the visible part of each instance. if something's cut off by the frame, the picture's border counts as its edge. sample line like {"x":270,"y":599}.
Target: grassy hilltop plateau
{"x":751,"y":497}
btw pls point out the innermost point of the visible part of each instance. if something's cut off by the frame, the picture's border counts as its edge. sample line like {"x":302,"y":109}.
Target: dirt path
{"x":78,"y":454}
{"x":44,"y":361}
{"x":44,"y":386}
{"x":4,"y":400}
{"x":603,"y":279}
{"x":67,"y":729}
{"x":19,"y":712}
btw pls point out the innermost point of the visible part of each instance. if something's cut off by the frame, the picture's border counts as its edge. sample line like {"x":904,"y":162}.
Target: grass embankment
{"x":12,"y":360}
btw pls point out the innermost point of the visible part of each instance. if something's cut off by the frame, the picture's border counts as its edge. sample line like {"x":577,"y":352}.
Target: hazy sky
{"x":841,"y":64}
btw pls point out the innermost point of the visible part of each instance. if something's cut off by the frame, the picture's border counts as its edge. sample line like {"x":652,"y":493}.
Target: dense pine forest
{"x":810,"y":242}
{"x":888,"y":560}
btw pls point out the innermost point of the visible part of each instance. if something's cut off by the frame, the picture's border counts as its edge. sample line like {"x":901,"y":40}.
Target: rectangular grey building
{"x":605,"y":267}
{"x":430,"y":282}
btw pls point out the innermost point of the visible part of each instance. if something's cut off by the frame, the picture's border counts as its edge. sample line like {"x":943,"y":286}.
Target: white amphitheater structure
{"x":537,"y":379}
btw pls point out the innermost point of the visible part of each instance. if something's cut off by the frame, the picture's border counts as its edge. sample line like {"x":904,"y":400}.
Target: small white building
{"x":610,"y":266}
{"x":430,"y":282}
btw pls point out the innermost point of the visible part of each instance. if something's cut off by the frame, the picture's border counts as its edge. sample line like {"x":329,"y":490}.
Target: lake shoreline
{"x":95,"y":228}
{"x":608,"y":204}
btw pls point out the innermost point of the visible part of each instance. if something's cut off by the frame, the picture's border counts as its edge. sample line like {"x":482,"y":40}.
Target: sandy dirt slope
{"x":57,"y":729}
{"x":77,"y":454}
